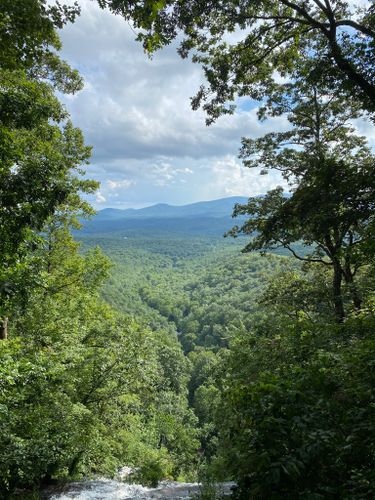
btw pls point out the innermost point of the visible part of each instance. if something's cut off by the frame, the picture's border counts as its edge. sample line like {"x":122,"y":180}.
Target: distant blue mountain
{"x":113,"y":213}
{"x":215,"y":208}
{"x":202,"y":218}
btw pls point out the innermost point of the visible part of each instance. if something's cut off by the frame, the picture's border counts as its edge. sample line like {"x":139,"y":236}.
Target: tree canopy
{"x":243,"y":45}
{"x":329,"y":168}
{"x":42,"y":154}
{"x":275,"y":388}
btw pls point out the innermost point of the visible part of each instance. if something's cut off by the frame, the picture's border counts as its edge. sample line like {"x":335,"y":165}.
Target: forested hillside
{"x":143,"y":338}
{"x":201,"y":288}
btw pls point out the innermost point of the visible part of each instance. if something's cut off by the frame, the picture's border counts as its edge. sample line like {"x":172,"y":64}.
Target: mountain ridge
{"x":216,"y":208}
{"x":201,"y":218}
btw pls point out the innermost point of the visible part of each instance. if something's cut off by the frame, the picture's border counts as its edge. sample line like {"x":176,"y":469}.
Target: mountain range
{"x":203,"y":218}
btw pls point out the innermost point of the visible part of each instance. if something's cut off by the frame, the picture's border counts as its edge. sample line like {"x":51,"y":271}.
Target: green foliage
{"x":271,"y":38}
{"x":41,"y":153}
{"x":285,"y":388}
{"x":201,"y":288}
{"x":28,"y":32}
{"x":331,"y":209}
{"x":199,"y":359}
{"x":78,"y":380}
{"x":299,"y":412}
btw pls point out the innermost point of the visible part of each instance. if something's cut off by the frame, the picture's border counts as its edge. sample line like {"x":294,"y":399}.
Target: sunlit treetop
{"x":29,"y":41}
{"x":41,"y":154}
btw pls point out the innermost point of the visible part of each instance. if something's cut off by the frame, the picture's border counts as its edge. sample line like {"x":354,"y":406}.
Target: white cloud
{"x":366,"y":128}
{"x":163,"y":173}
{"x":122,"y":184}
{"x":99,"y":198}
{"x":149,"y":146}
{"x":233,"y":179}
{"x":147,"y":99}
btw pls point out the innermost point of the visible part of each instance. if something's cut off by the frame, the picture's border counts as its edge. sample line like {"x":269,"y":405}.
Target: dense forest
{"x":167,"y":348}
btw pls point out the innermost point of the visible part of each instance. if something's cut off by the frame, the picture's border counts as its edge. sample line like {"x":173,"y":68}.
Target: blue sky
{"x":148,"y":145}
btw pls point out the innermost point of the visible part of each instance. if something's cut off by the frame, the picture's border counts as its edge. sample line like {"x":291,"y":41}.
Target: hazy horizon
{"x":170,"y":204}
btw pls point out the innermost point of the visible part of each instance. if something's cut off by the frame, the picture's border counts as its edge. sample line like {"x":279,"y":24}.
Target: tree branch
{"x":322,"y":7}
{"x":303,"y":12}
{"x":304,"y":259}
{"x":356,"y":26}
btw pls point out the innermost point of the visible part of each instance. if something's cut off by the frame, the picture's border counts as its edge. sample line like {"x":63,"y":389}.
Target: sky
{"x":148,"y":145}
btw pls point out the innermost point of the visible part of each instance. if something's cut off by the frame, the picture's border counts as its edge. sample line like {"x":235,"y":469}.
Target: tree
{"x":41,"y":153}
{"x":28,"y":37}
{"x":332,"y":206}
{"x":268,"y":37}
{"x":84,"y":388}
{"x":295,"y":418}
{"x":40,"y":149}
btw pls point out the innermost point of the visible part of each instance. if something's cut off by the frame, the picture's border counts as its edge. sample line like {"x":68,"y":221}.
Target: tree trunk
{"x":348,"y":275}
{"x":356,"y":298}
{"x":337,"y":293}
{"x":74,"y":463}
{"x":4,"y":329}
{"x":357,"y":301}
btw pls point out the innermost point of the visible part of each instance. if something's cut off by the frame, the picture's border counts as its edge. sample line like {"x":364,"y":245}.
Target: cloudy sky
{"x":149,"y":146}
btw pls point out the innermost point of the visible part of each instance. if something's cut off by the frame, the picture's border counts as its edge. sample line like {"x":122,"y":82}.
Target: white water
{"x":115,"y":490}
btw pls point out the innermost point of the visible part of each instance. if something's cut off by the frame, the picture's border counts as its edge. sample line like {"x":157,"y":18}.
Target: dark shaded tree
{"x":331,"y":209}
